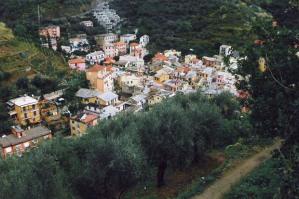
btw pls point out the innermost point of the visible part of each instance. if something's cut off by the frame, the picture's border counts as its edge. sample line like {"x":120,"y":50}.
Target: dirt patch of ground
{"x":231,"y":177}
{"x":178,"y":181}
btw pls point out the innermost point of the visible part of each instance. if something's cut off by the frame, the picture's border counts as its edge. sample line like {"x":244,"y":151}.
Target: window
{"x":25,"y":115}
{"x":33,"y":106}
{"x":34,"y":113}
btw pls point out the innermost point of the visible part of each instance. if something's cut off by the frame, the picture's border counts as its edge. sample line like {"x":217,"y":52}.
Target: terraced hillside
{"x":19,"y":57}
{"x":202,"y":25}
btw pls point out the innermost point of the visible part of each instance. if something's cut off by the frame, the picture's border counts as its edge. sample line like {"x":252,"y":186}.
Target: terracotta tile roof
{"x":160,"y":57}
{"x":89,"y":118}
{"x":183,"y":69}
{"x":76,"y":61}
{"x":109,"y":60}
{"x":97,"y":68}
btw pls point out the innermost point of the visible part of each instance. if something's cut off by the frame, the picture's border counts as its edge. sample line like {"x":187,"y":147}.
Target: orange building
{"x":100,"y":78}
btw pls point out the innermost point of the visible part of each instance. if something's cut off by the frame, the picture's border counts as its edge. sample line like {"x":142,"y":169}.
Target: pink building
{"x":121,"y":47}
{"x":136,"y":50}
{"x":110,"y":50}
{"x":77,"y":64}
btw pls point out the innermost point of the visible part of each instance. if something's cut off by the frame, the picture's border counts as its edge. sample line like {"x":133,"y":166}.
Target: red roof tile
{"x":97,"y":68}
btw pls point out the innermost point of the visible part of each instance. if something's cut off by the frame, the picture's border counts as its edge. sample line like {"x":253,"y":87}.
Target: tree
{"x":165,"y":139}
{"x":5,"y":122}
{"x":229,"y":106}
{"x":22,"y":83}
{"x":275,"y":94}
{"x":112,"y":166}
{"x":205,"y":126}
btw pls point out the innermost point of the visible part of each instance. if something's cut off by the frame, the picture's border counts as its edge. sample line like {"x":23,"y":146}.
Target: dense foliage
{"x":23,"y":15}
{"x":275,"y":91}
{"x":259,"y":184}
{"x":202,"y":25}
{"x":118,"y":153}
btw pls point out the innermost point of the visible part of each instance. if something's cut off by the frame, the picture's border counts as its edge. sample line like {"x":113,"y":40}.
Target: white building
{"x":132,"y":62}
{"x":144,"y":40}
{"x":106,"y":17}
{"x":103,"y":39}
{"x":225,"y":50}
{"x":87,"y":23}
{"x":95,"y":57}
{"x":79,"y":43}
{"x":127,"y":38}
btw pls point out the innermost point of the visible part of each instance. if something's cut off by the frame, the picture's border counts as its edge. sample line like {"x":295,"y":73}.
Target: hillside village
{"x":149,"y":99}
{"x":122,"y":78}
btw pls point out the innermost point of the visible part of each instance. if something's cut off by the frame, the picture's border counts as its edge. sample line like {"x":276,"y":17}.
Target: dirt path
{"x":224,"y":184}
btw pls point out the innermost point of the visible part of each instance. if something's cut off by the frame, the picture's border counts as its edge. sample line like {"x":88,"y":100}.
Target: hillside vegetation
{"x":18,"y":57}
{"x":22,"y":16}
{"x":119,"y":154}
{"x":202,"y":25}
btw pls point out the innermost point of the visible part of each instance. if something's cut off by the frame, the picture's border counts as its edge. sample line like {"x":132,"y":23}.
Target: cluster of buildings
{"x":128,"y":49}
{"x":119,"y":81}
{"x":107,"y":17}
{"x":116,"y":88}
{"x":31,"y":115}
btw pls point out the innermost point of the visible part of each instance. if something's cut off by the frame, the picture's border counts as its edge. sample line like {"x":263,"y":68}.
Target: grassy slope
{"x":17,"y":55}
{"x":263,"y":183}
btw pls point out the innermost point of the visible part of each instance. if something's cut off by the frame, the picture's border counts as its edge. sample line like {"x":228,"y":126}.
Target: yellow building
{"x":155,"y":99}
{"x":26,"y":110}
{"x":88,"y":96}
{"x":162,"y":77}
{"x":80,"y":123}
{"x":164,"y":74}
